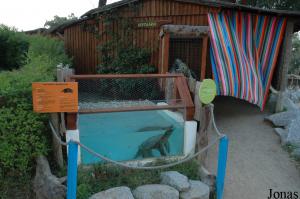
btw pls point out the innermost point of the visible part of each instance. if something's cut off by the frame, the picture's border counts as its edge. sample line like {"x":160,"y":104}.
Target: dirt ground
{"x":256,"y":160}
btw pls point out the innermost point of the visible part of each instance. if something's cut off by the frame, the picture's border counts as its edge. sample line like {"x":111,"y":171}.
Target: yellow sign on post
{"x":207,"y":91}
{"x":53,"y":97}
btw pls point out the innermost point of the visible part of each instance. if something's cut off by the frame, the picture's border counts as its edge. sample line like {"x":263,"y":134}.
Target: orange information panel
{"x":53,"y":97}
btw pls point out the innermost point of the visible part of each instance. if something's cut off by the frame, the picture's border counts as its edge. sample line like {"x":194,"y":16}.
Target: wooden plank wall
{"x":82,"y":45}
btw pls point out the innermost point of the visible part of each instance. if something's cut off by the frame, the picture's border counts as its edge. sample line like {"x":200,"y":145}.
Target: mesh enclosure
{"x":109,"y":93}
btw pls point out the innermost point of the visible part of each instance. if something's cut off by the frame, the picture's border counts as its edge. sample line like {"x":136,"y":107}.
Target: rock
{"x":210,"y":181}
{"x":296,"y":153}
{"x":293,"y":136}
{"x":198,"y":190}
{"x":297,"y":94}
{"x":207,"y":178}
{"x":294,"y":98}
{"x":282,"y":134}
{"x":114,"y":193}
{"x":175,"y":179}
{"x":155,"y":191}
{"x":288,"y":104}
{"x":46,"y":185}
{"x":283,"y":118}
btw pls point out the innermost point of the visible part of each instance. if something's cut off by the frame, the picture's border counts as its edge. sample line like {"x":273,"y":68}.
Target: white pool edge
{"x":189,"y":142}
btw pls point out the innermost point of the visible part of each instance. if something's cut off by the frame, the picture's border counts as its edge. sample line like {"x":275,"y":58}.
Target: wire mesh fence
{"x":107,"y":93}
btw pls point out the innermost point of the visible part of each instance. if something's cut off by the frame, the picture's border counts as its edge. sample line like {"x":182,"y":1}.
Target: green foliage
{"x":274,"y":4}
{"x":13,"y":48}
{"x":23,"y":132}
{"x":295,"y":62}
{"x":57,"y":20}
{"x":128,"y":61}
{"x":102,"y":177}
{"x":21,"y":137}
{"x":119,"y":54}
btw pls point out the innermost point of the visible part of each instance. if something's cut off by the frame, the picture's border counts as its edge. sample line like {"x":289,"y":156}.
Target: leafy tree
{"x":274,"y":4}
{"x":295,"y":62}
{"x":13,"y":48}
{"x":57,"y":20}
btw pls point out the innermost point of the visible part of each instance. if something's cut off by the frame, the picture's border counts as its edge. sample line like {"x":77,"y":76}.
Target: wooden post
{"x":203,"y":57}
{"x":58,"y":119}
{"x":284,"y":63}
{"x":197,"y":102}
{"x":56,"y":146}
{"x":165,"y":53}
{"x":202,"y":137}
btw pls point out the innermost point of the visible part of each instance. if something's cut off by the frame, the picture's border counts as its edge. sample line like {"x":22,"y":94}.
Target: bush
{"x":23,"y":132}
{"x":21,"y":136}
{"x":13,"y":48}
{"x":129,"y":60}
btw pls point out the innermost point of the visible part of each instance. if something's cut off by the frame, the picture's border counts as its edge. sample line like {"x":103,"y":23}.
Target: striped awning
{"x":244,"y":51}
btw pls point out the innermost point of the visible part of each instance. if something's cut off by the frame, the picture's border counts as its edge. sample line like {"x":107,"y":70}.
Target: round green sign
{"x":207,"y":91}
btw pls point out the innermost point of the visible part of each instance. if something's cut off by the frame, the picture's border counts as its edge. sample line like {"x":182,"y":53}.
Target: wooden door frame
{"x":182,"y":31}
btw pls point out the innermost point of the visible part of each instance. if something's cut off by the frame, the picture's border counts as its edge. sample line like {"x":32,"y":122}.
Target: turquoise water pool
{"x":118,"y":135}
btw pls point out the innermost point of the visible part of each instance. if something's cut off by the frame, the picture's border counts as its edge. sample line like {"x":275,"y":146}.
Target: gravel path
{"x":256,"y":160}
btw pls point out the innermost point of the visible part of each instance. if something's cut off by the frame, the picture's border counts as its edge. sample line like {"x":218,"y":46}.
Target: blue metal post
{"x":222,"y":161}
{"x":72,"y":170}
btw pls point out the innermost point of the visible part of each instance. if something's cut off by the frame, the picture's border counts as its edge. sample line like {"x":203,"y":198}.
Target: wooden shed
{"x":149,"y":16}
{"x":169,"y":29}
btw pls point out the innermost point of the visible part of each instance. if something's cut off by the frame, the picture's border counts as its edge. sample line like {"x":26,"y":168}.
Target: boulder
{"x":293,"y":136}
{"x":155,"y":191}
{"x":283,"y":118}
{"x":282,"y":134}
{"x":175,"y":179}
{"x":207,"y":178}
{"x":297,"y":94}
{"x":198,"y":190}
{"x":114,"y":193}
{"x":288,"y":104}
{"x":46,"y":185}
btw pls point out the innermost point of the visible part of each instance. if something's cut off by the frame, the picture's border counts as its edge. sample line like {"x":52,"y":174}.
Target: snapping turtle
{"x":159,"y":142}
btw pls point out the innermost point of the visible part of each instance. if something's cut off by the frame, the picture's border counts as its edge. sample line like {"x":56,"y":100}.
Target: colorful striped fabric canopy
{"x":244,"y":50}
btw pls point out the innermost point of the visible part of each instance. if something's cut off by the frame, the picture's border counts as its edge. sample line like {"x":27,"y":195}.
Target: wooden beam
{"x":203,"y":57}
{"x":284,"y":62}
{"x":185,"y":30}
{"x":185,"y":95}
{"x":141,"y":108}
{"x":169,"y":75}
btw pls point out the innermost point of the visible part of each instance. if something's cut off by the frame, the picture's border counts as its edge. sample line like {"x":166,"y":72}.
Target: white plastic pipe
{"x":74,"y":135}
{"x":190,"y":131}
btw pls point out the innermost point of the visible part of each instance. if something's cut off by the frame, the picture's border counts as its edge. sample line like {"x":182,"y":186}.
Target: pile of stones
{"x":287,"y":123}
{"x":173,"y":185}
